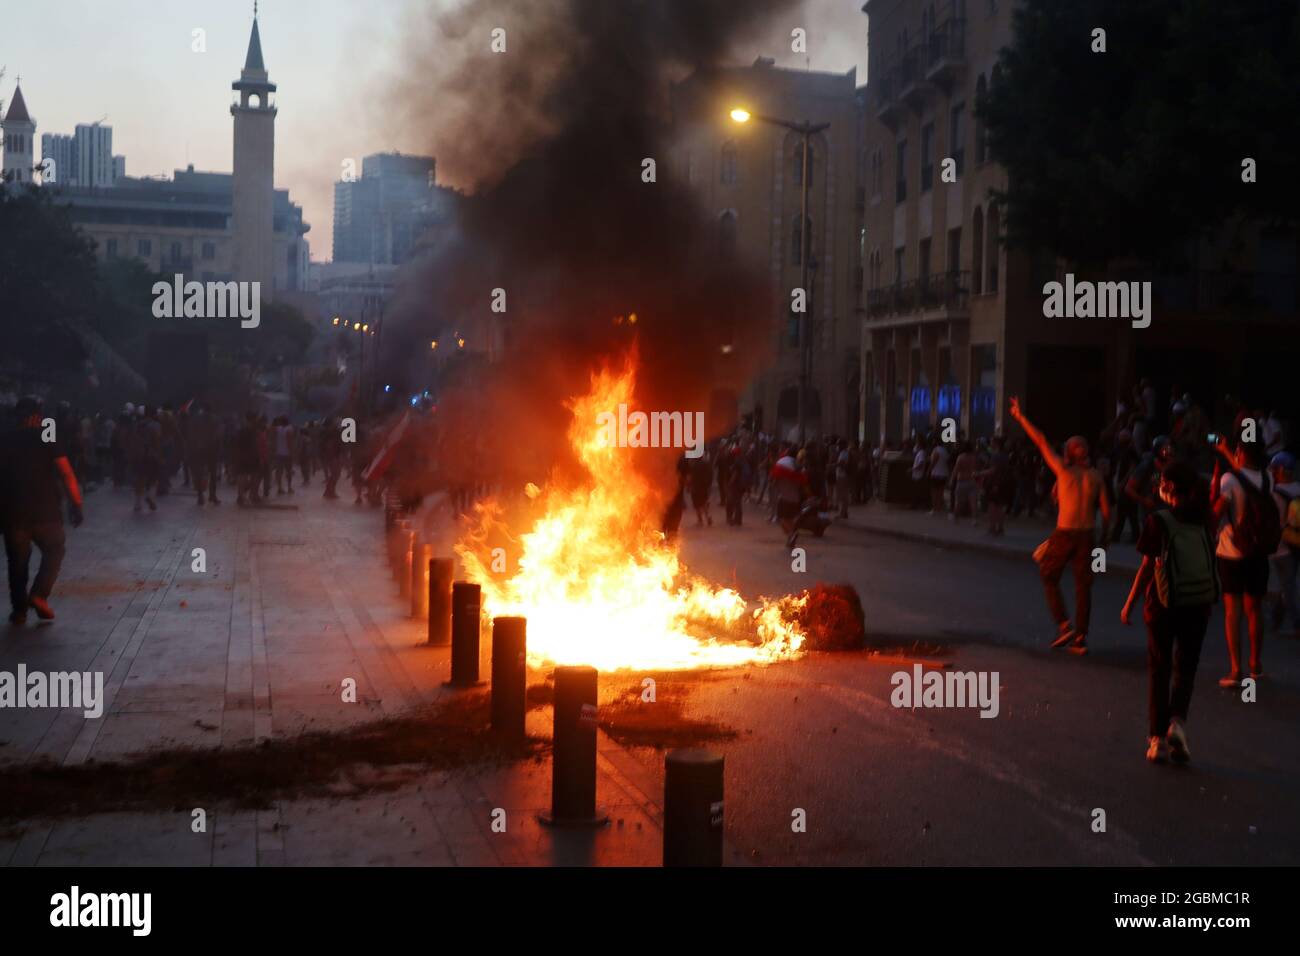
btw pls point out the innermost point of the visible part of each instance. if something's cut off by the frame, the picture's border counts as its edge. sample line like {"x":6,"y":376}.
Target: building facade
{"x":749,"y":179}
{"x":381,"y":217}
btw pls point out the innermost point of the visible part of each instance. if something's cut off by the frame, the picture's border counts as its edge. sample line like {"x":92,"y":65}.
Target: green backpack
{"x":1187,"y":573}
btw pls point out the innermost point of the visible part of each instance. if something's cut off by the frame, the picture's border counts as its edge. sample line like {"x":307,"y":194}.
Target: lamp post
{"x":805,"y":130}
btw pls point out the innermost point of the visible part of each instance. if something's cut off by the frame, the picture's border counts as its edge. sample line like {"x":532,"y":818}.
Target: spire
{"x":254,"y":60}
{"x":17,"y":108}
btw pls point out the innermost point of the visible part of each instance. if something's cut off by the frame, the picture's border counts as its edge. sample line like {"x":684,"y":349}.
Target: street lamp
{"x":805,"y":130}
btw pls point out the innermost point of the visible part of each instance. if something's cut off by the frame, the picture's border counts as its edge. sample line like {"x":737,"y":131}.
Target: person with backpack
{"x":1178,"y":583}
{"x":1286,"y":559}
{"x":1249,"y":532}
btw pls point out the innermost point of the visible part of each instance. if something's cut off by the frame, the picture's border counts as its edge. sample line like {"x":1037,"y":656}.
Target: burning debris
{"x":830,"y":617}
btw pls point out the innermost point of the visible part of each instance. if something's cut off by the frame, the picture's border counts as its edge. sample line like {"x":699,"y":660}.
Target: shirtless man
{"x":1079,"y":490}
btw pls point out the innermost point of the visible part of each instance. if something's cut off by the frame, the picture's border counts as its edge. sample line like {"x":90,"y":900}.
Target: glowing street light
{"x":433,"y":346}
{"x":336,"y":320}
{"x":460,"y":343}
{"x":740,"y":115}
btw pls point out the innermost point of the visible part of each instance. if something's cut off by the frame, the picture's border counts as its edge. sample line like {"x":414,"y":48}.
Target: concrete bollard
{"x":466,"y":599}
{"x":441,"y":571}
{"x":573,"y":763}
{"x":420,"y":581}
{"x":409,"y":548}
{"x":509,"y":674}
{"x":693,"y":807}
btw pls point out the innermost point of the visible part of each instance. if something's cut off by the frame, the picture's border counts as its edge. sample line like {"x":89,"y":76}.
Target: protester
{"x":32,"y":472}
{"x":1246,"y":517}
{"x":939,"y":473}
{"x":790,"y":487}
{"x":701,"y":481}
{"x":999,"y":487}
{"x":1178,"y":583}
{"x":1079,"y":491}
{"x":1286,"y":559}
{"x":964,"y":490}
{"x":146,"y":456}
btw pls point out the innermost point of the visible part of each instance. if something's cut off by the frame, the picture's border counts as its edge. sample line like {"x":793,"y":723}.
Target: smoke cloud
{"x":553,"y":133}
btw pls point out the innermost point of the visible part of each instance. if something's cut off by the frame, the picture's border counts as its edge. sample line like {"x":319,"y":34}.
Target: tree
{"x":1134,"y":151}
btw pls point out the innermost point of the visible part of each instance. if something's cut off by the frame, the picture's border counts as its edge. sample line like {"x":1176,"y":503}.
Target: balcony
{"x":913,"y":88}
{"x":945,"y":57}
{"x":889,"y":109}
{"x":930,"y":298}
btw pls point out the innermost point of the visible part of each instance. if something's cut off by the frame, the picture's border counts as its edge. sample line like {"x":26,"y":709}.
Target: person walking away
{"x":1079,"y":492}
{"x":203,"y":452}
{"x":32,"y":472}
{"x":247,"y":462}
{"x":845,"y":479}
{"x":738,"y":477}
{"x":701,"y":481}
{"x":146,"y":463}
{"x":331,"y":454}
{"x":1286,"y":559}
{"x":1249,"y":532}
{"x":964,"y":488}
{"x":999,"y":487}
{"x":306,"y":449}
{"x":939,"y":475}
{"x":283,"y":438}
{"x":1178,"y":584}
{"x":790,"y":487}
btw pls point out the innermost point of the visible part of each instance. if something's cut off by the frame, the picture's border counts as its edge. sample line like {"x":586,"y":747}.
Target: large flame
{"x":596,"y":581}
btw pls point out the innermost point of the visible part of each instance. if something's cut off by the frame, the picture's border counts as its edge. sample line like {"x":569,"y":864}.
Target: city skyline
{"x":168,"y":104}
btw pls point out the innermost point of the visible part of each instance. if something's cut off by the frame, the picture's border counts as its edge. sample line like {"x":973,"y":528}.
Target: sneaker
{"x":1065,"y":635}
{"x":18,"y":618}
{"x":1232,"y":680}
{"x":1155,"y":750}
{"x":1177,"y":737}
{"x":41,"y":607}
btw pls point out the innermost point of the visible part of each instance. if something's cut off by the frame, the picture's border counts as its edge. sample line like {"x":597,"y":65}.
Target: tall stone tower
{"x":19,"y":137}
{"x":254,"y":171}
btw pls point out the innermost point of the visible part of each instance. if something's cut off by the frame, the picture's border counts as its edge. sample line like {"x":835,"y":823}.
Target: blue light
{"x":388,"y":388}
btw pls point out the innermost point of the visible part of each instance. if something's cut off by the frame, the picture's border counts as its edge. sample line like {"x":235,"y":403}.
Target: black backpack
{"x":1259,"y":531}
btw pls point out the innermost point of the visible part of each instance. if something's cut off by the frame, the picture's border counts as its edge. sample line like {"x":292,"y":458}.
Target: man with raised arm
{"x":1079,"y":490}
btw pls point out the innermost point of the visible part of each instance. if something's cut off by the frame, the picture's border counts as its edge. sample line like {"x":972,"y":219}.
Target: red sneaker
{"x":42,"y":608}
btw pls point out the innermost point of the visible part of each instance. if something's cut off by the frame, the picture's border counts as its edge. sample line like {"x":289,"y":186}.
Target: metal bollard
{"x":509,"y":674}
{"x":441,"y":571}
{"x":573,"y":762}
{"x":466,"y":600}
{"x":409,"y":548}
{"x":693,"y":807}
{"x":420,"y":581}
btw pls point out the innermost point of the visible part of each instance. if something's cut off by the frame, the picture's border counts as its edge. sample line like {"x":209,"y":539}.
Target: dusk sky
{"x":131,"y":63}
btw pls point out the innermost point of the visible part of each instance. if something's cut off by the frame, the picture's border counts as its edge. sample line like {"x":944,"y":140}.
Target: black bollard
{"x":441,"y":571}
{"x":573,"y":761}
{"x":420,"y":581}
{"x":693,"y":807}
{"x":509,"y":674}
{"x":466,"y":600}
{"x":408,"y":549}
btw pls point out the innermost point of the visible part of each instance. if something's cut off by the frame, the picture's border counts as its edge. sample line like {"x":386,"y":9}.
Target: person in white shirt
{"x":1244,"y":577}
{"x":1286,"y":559}
{"x":938,"y":477}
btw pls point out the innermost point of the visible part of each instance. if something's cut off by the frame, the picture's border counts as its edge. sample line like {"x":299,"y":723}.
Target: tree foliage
{"x":1134,"y":151}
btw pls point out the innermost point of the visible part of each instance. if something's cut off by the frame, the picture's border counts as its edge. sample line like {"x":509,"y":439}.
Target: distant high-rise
{"x":380,"y":217}
{"x":94,"y":146}
{"x":253,"y":219}
{"x":58,"y":160}
{"x":19,"y":135}
{"x":119,"y":168}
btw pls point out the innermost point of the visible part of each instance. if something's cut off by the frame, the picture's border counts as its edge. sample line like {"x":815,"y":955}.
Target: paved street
{"x":297,"y":598}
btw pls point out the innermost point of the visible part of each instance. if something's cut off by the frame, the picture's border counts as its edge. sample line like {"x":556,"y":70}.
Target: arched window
{"x":727,"y":164}
{"x":977,"y":252}
{"x":797,"y":243}
{"x":991,"y":253}
{"x":727,"y":236}
{"x":981,"y":149}
{"x":798,"y":164}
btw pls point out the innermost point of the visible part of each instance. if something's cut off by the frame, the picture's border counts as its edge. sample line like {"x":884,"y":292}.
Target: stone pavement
{"x":294,"y":599}
{"x":1022,"y":536}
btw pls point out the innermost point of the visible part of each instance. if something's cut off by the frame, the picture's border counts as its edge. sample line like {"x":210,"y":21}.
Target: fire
{"x":596,"y":581}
